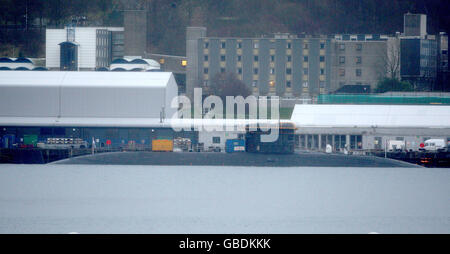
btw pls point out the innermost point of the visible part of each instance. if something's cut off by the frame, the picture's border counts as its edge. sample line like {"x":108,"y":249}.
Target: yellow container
{"x":162,"y":145}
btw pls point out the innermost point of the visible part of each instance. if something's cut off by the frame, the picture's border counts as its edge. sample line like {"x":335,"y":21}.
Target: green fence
{"x":380,"y":99}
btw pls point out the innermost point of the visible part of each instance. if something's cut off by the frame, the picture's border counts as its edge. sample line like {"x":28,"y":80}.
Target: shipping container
{"x":162,"y":145}
{"x":9,"y":140}
{"x":234,"y":145}
{"x":30,"y":140}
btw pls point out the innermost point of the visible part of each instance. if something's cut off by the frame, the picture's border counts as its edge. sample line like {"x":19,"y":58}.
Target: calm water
{"x":184,"y":199}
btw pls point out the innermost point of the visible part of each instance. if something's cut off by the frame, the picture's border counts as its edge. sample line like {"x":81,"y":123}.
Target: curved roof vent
{"x":6,"y":60}
{"x":119,"y":61}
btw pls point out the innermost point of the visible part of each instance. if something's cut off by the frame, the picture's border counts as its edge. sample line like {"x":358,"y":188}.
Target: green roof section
{"x":382,"y":99}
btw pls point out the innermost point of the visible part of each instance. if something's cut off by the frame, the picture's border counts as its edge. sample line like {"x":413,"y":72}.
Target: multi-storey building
{"x":284,"y":65}
{"x":419,"y":52}
{"x":358,"y":60}
{"x":306,"y":66}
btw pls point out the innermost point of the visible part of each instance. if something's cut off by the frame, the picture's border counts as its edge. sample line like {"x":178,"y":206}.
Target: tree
{"x":392,"y":58}
{"x":227,"y":84}
{"x":393,"y":85}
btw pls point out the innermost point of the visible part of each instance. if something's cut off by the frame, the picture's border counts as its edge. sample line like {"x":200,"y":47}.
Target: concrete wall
{"x":193,"y":34}
{"x":135,"y":37}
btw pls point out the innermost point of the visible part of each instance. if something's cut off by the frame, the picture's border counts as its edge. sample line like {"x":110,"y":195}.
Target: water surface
{"x":206,"y":199}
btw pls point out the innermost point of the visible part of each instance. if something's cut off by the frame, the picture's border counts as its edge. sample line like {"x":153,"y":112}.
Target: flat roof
{"x":390,"y":116}
{"x":86,"y":78}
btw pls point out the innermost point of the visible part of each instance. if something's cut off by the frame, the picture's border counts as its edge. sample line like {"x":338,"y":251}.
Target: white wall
{"x":97,"y":95}
{"x":84,"y":36}
{"x":52,"y":39}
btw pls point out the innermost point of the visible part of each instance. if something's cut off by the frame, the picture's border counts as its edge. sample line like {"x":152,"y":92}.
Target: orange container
{"x":162,"y":145}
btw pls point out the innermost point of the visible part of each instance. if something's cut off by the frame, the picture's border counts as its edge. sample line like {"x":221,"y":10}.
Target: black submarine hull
{"x":235,"y":159}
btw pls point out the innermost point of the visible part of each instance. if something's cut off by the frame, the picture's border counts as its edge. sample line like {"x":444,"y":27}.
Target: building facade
{"x":285,"y":65}
{"x":83,"y":48}
{"x":358,"y":60}
{"x":419,"y":61}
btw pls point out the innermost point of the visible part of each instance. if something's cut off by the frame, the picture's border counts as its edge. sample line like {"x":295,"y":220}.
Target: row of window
{"x":358,"y":60}
{"x":272,"y":58}
{"x":272,"y":71}
{"x":256,"y":45}
{"x":341,"y":46}
{"x":358,"y":72}
{"x":358,"y":47}
{"x":288,"y":84}
{"x":338,"y":142}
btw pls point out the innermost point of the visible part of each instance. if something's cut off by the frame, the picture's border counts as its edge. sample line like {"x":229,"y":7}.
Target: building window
{"x":255,"y":71}
{"x":272,"y":58}
{"x":288,"y":45}
{"x":289,"y":58}
{"x":206,"y":45}
{"x":288,"y":83}
{"x":358,"y":47}
{"x":342,"y":47}
{"x":288,"y":71}
{"x":255,"y":58}
{"x":206,"y":58}
{"x":305,"y":71}
{"x":305,"y":84}
{"x":205,"y":70}
{"x":216,"y":140}
{"x":205,"y":83}
{"x":255,"y":83}
{"x":222,"y":45}
{"x":305,"y":46}
{"x":358,"y":72}
{"x":358,"y":60}
{"x":222,"y":58}
{"x":239,"y":58}
{"x":305,"y":59}
{"x":342,"y":59}
{"x":222,"y":70}
{"x":255,"y":45}
{"x":239,"y":45}
{"x":272,"y":70}
{"x":322,"y":84}
{"x":322,"y":58}
{"x":239,"y":70}
{"x":355,"y":142}
{"x":322,"y":45}
{"x":342,"y":72}
{"x":322,"y":71}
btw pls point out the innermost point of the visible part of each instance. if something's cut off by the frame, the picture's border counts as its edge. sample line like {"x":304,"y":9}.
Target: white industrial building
{"x":366,"y":127}
{"x":90,"y":99}
{"x":97,"y":46}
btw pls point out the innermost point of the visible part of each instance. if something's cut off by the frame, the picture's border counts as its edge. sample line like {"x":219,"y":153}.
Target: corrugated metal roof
{"x":408,"y":116}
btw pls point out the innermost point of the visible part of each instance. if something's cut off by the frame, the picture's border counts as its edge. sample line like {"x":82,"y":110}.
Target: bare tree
{"x":227,"y":84}
{"x":392,"y":58}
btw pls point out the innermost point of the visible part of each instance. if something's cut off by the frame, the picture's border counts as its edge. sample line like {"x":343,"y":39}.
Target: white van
{"x":435,"y":144}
